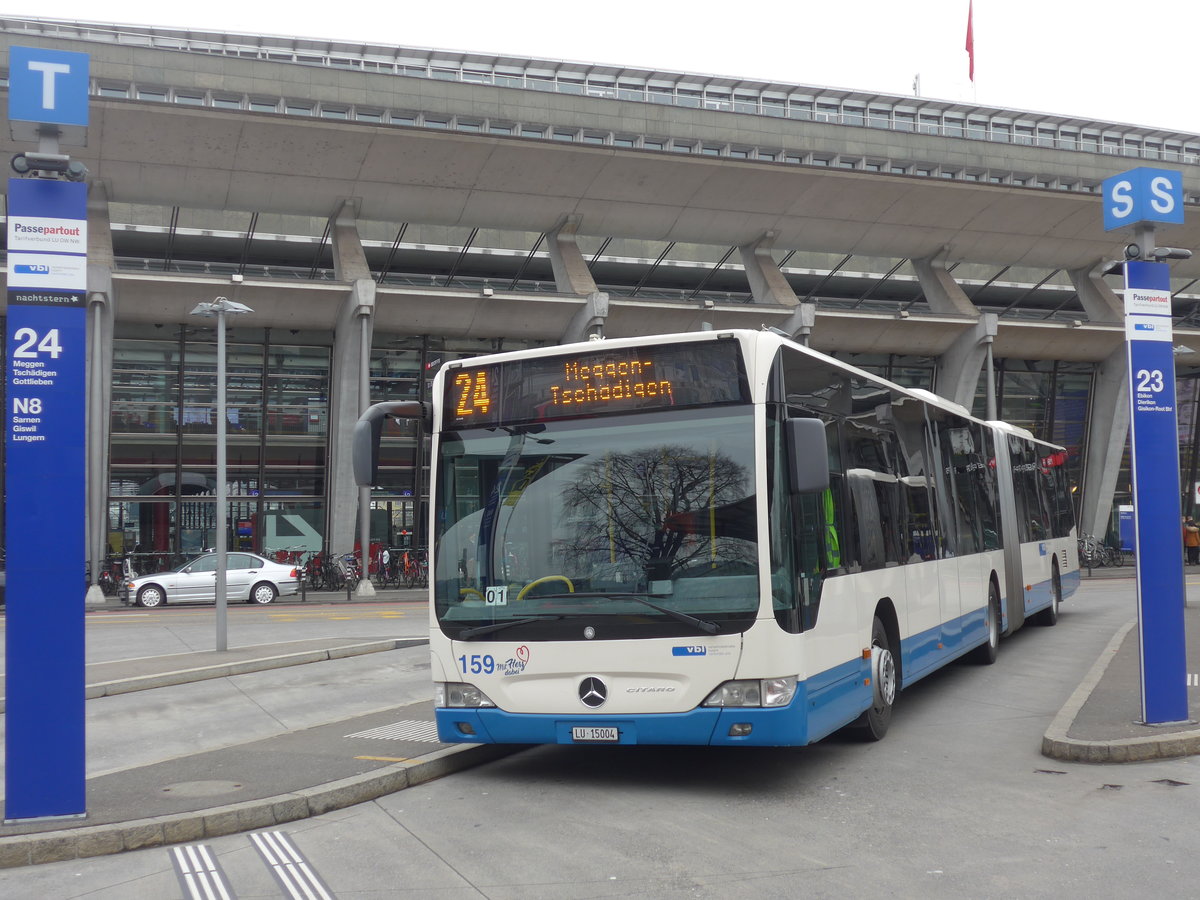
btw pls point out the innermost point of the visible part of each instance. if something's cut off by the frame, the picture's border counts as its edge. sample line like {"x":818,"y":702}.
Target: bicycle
{"x":416,"y":569}
{"x":1094,"y":553}
{"x":387,"y":568}
{"x":347,"y":566}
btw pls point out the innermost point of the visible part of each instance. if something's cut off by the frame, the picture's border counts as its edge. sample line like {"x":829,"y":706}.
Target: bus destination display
{"x":604,"y":381}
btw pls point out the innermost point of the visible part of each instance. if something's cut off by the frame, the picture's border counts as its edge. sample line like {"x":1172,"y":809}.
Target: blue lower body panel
{"x":930,"y":650}
{"x":822,"y":705}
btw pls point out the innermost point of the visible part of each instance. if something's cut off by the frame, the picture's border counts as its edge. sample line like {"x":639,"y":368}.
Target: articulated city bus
{"x":717,"y":538}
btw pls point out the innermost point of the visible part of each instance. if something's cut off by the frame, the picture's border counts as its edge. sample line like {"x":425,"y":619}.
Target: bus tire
{"x":1049,"y":615}
{"x":873,"y":724}
{"x":985,"y":653}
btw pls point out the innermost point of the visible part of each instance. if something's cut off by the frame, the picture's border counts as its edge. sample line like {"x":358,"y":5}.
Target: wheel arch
{"x":885,"y":612}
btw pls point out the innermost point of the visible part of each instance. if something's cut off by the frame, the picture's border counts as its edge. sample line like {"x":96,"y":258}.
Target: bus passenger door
{"x":922,"y":576}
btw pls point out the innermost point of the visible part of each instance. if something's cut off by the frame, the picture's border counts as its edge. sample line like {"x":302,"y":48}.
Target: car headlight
{"x":459,"y":695}
{"x":757,"y":692}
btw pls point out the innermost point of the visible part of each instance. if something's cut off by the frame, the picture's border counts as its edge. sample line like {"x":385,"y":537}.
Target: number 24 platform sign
{"x":45,"y":436}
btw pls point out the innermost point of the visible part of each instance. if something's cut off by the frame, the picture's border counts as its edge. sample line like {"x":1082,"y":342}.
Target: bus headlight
{"x":459,"y":695}
{"x":765,"y":692}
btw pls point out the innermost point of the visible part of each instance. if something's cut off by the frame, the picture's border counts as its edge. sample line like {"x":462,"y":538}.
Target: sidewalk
{"x":258,"y":784}
{"x":1101,"y":721}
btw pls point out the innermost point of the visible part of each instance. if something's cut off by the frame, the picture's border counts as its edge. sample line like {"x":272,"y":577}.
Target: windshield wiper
{"x":480,"y":630}
{"x":701,"y":624}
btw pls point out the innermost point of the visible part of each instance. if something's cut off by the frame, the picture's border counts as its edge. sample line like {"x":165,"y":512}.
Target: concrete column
{"x":1108,"y":428}
{"x":941,"y":290}
{"x":958,"y":368}
{"x":799,"y":324}
{"x":571,"y":272}
{"x":101,"y":312}
{"x":572,"y":276}
{"x":1099,"y":301}
{"x":767,"y":284}
{"x":349,"y":384}
{"x":589,"y":320}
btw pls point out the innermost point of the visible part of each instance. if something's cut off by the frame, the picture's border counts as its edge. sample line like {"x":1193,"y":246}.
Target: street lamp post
{"x":220,"y":308}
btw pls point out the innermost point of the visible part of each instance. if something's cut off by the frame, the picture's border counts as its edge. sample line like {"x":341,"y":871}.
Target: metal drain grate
{"x":412,"y":730}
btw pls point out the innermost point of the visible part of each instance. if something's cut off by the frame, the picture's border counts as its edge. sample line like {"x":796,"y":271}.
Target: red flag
{"x":971,"y":38}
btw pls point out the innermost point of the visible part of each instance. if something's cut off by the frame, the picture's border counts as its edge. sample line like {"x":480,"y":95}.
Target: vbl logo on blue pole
{"x":1143,"y":195}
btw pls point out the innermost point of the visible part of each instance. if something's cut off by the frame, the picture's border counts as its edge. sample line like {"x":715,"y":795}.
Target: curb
{"x":241,"y":667}
{"x":117,"y":837}
{"x":1057,"y":745}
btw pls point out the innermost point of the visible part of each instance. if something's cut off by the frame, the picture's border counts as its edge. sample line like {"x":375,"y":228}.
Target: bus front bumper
{"x":746,"y":726}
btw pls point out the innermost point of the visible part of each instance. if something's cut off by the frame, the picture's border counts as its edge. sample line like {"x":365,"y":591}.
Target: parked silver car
{"x":248,"y":577}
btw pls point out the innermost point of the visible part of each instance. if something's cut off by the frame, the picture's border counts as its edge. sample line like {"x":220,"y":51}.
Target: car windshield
{"x":645,"y":523}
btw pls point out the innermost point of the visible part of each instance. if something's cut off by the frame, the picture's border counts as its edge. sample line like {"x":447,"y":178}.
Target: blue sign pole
{"x":44,"y":509}
{"x":1154,"y":438}
{"x":1137,"y":199}
{"x":45,"y":436}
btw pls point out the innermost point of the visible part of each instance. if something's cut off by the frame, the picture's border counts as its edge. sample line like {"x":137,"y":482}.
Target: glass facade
{"x":162,"y":476}
{"x":163,"y":429}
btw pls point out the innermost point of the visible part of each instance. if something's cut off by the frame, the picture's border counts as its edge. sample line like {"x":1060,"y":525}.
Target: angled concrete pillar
{"x":589,"y":320}
{"x":571,"y":272}
{"x":767,"y":284}
{"x":799,"y":324}
{"x":1108,"y":428}
{"x":1099,"y":301}
{"x":572,"y":276}
{"x":941,"y":291}
{"x":958,"y":368}
{"x":349,"y":389}
{"x":101,"y":312}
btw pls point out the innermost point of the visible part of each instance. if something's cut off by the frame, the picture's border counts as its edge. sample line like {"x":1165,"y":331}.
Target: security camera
{"x":1133,"y":251}
{"x":56,"y":163}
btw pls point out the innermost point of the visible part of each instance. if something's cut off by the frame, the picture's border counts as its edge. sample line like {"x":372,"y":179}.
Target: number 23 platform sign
{"x":45,"y":477}
{"x":1155,"y":459}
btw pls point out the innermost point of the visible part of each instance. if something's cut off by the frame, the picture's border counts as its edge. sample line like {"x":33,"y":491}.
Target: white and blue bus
{"x":717,"y":538}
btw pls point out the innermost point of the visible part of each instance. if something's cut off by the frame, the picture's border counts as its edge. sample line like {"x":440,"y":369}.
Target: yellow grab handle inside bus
{"x":543,"y":580}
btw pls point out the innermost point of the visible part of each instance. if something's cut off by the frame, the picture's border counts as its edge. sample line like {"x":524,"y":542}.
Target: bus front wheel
{"x":873,"y":724}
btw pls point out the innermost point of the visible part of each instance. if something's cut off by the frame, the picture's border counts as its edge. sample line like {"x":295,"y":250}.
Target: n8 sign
{"x":1143,"y":195}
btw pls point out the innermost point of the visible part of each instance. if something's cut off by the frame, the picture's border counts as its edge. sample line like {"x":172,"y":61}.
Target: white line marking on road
{"x":199,"y":874}
{"x":402,"y":731}
{"x":289,"y":866}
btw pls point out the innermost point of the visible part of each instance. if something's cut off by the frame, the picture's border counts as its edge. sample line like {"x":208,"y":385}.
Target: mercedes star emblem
{"x":592,"y":692}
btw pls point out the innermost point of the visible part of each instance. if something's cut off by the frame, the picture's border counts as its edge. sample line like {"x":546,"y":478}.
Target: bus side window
{"x":919,"y":531}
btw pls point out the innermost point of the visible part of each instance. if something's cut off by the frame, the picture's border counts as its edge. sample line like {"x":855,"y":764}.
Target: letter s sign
{"x":1143,"y":195}
{"x":1122,"y":199}
{"x":1162,"y":201}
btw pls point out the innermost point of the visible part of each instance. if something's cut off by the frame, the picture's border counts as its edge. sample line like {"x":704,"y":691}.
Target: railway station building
{"x":383,"y":210}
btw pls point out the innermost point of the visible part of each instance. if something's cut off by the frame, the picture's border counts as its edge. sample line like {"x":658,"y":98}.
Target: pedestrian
{"x":1191,"y":540}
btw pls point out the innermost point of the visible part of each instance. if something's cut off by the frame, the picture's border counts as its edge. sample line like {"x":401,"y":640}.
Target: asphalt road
{"x":956,"y":802}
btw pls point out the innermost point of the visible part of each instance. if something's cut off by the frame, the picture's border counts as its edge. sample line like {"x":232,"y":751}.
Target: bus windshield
{"x":642,"y":524}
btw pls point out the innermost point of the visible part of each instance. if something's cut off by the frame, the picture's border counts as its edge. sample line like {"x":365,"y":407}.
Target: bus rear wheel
{"x":873,"y":724}
{"x":985,"y":654}
{"x":1049,"y":615}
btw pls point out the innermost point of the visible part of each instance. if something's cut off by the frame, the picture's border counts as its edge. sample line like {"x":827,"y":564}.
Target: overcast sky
{"x":1115,"y":61}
